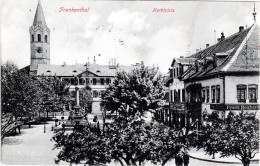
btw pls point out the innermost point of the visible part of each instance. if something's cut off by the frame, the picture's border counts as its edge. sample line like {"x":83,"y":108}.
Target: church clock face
{"x":39,"y":49}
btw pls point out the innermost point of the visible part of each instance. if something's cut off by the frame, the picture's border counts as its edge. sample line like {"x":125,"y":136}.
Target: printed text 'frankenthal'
{"x":82,"y":9}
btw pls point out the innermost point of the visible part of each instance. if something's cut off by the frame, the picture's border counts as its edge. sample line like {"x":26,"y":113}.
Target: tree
{"x":53,"y":92}
{"x":237,"y":137}
{"x":24,"y":95}
{"x":86,"y":146}
{"x":134,"y":93}
{"x":19,"y":96}
{"x":128,"y":139}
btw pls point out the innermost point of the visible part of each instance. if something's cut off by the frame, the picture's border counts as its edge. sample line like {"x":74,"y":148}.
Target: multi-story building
{"x":97,"y":77}
{"x":175,"y":115}
{"x":225,"y":77}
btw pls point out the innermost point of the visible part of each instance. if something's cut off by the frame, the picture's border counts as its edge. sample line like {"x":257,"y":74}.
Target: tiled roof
{"x":228,"y":48}
{"x":70,"y":70}
{"x":248,"y":58}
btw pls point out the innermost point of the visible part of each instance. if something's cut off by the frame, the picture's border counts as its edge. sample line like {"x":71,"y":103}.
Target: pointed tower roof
{"x":39,"y":16}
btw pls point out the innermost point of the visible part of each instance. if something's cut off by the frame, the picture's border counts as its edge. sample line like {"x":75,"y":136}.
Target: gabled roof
{"x":73,"y":70}
{"x":183,"y":61}
{"x":236,"y":51}
{"x":246,"y":58}
{"x":39,"y":16}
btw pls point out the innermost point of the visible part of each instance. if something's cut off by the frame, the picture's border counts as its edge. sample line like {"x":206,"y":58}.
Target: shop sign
{"x":217,"y":106}
{"x":234,"y":106}
{"x":177,"y":106}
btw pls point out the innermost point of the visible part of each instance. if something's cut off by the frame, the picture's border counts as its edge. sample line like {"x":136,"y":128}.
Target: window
{"x":72,"y":81}
{"x":241,"y":93}
{"x":207,"y":89}
{"x":218,"y":94}
{"x":171,"y":99}
{"x":175,"y":95}
{"x":102,"y":81}
{"x":203,"y":94}
{"x":179,"y":95}
{"x":107,"y":81}
{"x":183,"y":95}
{"x":81,"y":81}
{"x":174,"y":73}
{"x":171,"y":73}
{"x":39,"y":37}
{"x":94,"y":81}
{"x":177,"y":72}
{"x":95,"y":93}
{"x":46,"y":38}
{"x":252,"y":93}
{"x":87,"y":80}
{"x":32,"y":38}
{"x":213,"y":94}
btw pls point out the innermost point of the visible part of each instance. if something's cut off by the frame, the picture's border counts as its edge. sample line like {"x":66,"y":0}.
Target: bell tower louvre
{"x":40,"y":40}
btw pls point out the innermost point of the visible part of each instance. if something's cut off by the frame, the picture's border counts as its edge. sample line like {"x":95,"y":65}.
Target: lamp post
{"x":44,"y":127}
{"x":197,"y":120}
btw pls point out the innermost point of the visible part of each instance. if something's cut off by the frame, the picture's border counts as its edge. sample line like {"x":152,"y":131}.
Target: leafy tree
{"x":134,"y":93}
{"x":19,"y":97}
{"x":128,"y":139}
{"x":237,"y":137}
{"x":86,"y":146}
{"x":24,"y":96}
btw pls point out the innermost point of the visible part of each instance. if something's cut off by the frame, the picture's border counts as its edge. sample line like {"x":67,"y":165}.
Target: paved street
{"x":34,"y":147}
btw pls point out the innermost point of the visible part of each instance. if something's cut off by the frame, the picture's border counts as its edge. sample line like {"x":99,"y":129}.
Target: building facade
{"x":216,"y":81}
{"x":225,"y":78}
{"x":176,"y":113}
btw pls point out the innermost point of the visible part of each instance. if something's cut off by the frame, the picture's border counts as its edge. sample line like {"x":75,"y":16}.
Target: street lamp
{"x":44,"y":127}
{"x":197,"y":120}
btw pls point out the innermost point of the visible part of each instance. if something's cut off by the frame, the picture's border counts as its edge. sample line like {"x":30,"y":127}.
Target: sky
{"x":126,"y":30}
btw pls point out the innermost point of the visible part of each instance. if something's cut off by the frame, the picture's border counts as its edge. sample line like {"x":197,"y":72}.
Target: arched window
{"x":39,"y":37}
{"x":32,"y":38}
{"x":46,"y":38}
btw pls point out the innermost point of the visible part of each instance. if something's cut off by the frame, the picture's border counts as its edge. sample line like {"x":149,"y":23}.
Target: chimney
{"x":218,"y":39}
{"x":64,"y":64}
{"x":197,"y":50}
{"x":207,"y":45}
{"x":241,"y":28}
{"x":222,"y":36}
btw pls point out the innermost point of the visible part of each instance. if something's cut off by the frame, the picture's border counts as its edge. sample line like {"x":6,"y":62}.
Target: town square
{"x":122,"y":83}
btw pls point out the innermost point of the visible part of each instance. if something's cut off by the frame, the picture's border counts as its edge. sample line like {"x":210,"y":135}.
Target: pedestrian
{"x":186,"y":158}
{"x":98,"y":125}
{"x":19,"y":129}
{"x":179,"y":159}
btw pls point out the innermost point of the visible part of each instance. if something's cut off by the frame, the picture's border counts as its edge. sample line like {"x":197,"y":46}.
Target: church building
{"x":97,"y":77}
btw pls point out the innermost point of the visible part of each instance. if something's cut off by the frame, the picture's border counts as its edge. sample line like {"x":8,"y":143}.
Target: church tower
{"x":40,"y":40}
